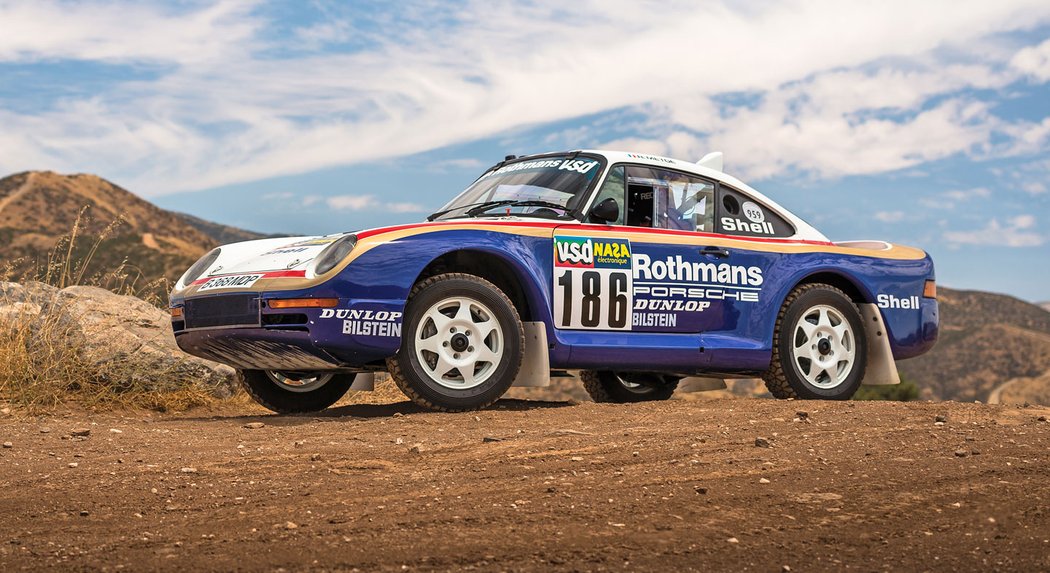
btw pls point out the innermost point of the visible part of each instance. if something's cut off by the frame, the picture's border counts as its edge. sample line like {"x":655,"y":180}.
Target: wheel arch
{"x":840,"y":280}
{"x":493,"y":267}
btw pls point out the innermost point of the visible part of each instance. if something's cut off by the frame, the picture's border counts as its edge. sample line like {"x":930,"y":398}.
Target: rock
{"x":416,"y":449}
{"x":291,"y":525}
{"x":315,"y":457}
{"x":569,"y":432}
{"x":763,"y":480}
{"x":80,"y":432}
{"x":254,"y":425}
{"x":1041,"y":418}
{"x":8,"y":445}
{"x":733,"y":540}
{"x":961,"y":453}
{"x":762,"y":443}
{"x":786,"y":569}
{"x":85,"y":513}
{"x":73,"y":464}
{"x":188,"y":470}
{"x":123,"y":337}
{"x":115,"y":431}
{"x":5,"y":411}
{"x":489,"y":439}
{"x":45,"y":430}
{"x":802,"y":415}
{"x":398,"y":415}
{"x":701,"y":490}
{"x":941,"y":418}
{"x":576,"y":458}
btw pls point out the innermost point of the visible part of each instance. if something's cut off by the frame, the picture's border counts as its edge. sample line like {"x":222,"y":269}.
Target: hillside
{"x":986,"y":340}
{"x":37,"y":209}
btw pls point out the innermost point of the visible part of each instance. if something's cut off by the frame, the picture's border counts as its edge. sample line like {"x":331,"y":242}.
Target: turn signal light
{"x":303,"y":303}
{"x":176,"y":312}
{"x":930,"y":290}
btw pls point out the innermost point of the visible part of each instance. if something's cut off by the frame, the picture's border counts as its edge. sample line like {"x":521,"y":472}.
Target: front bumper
{"x":243,"y":331}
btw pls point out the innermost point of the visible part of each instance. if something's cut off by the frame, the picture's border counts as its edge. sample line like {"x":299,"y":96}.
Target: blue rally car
{"x":635,"y":270}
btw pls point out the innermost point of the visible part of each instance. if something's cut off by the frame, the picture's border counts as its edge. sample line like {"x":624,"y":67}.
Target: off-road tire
{"x":409,"y":376}
{"x":605,"y":386}
{"x":271,"y":396}
{"x":783,"y":380}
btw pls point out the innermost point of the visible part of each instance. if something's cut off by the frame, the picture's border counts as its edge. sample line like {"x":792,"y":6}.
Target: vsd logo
{"x":574,"y":252}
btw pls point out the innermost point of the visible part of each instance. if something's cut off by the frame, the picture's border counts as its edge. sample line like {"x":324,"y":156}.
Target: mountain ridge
{"x":152,"y":245}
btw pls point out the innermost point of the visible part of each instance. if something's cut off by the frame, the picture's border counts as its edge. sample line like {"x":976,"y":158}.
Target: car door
{"x":658,"y":268}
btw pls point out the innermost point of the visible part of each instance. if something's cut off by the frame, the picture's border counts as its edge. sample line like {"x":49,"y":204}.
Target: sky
{"x":923,"y":123}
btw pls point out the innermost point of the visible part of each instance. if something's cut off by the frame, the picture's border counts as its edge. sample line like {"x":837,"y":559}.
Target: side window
{"x":613,"y":187}
{"x":669,"y":200}
{"x":740,"y":215}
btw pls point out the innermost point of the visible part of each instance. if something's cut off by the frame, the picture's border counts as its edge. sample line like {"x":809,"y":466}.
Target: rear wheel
{"x":608,"y":386}
{"x":819,"y":346}
{"x":295,"y":392}
{"x":462,"y":344}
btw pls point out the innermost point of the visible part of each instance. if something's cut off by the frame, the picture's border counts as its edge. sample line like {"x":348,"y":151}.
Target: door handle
{"x":717,"y":252}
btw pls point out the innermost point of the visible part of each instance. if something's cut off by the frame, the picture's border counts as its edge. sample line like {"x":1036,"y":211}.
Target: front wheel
{"x":819,"y":346}
{"x":608,"y":386}
{"x":461,"y":346}
{"x":295,"y":392}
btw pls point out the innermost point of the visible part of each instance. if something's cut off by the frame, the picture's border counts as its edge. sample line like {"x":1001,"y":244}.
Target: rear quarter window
{"x":741,"y":215}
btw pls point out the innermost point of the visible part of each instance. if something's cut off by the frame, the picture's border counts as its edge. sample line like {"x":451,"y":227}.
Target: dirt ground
{"x":533,"y":486}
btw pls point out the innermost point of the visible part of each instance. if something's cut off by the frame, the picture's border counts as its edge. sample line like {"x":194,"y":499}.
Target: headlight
{"x":333,"y":254}
{"x":199,"y":267}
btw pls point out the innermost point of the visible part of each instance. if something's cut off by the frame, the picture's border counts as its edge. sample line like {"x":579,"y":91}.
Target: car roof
{"x":803,"y":230}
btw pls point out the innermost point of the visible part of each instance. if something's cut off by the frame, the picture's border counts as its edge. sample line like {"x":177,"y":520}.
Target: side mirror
{"x":607,"y":211}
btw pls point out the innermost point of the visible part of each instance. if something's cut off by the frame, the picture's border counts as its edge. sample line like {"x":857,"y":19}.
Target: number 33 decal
{"x":597,"y":299}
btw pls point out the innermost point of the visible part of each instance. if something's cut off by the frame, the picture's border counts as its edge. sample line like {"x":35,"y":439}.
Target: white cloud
{"x":1018,"y":231}
{"x":890,"y":216}
{"x":966,"y":194}
{"x":457,"y":164}
{"x":370,"y":203}
{"x":404,"y":207}
{"x":351,"y":202}
{"x":823,"y":71}
{"x":1034,"y":61}
{"x":1034,"y":187}
{"x":123,"y":31}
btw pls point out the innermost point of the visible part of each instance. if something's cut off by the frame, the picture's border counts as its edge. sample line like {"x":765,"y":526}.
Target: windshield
{"x":545,"y":187}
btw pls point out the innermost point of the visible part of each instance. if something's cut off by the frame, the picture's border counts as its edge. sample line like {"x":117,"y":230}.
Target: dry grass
{"x":46,"y":362}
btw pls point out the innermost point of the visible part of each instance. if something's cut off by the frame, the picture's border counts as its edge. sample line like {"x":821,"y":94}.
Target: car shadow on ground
{"x":373,"y":411}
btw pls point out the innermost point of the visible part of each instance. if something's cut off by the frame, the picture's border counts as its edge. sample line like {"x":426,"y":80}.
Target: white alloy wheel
{"x":633,"y":387}
{"x":824,"y":346}
{"x":299,"y":384}
{"x":459,"y":342}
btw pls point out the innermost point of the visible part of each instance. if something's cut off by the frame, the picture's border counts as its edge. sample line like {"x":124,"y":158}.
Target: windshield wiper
{"x":478,"y":210}
{"x":433,"y":216}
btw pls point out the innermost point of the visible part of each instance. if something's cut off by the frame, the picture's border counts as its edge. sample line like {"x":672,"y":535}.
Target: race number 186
{"x":597,"y":299}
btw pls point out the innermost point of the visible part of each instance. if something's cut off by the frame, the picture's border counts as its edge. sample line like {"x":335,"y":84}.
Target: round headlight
{"x":199,"y":267}
{"x":334,"y":253}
